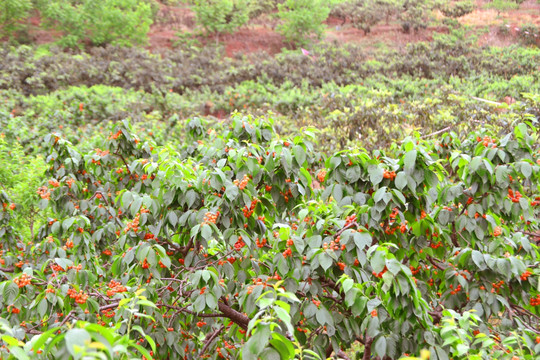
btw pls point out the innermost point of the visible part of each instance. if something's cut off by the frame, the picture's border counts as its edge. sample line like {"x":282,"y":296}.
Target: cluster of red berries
{"x":436,"y":245}
{"x":210,"y":217}
{"x":242,"y":183}
{"x":133,"y":225}
{"x":497,"y":231}
{"x":259,"y":281}
{"x":22,"y":280}
{"x":514,"y":195}
{"x":115,"y":287}
{"x":286,"y":195}
{"x":389,"y":174}
{"x":239,"y":244}
{"x":80,"y":297}
{"x":497,"y":286}
{"x":334,"y":245}
{"x":287,"y":253}
{"x":525,"y":275}
{"x":380,"y":275}
{"x":114,"y":136}
{"x":69,"y":245}
{"x":350,"y":219}
{"x":456,"y":290}
{"x":5,"y":205}
{"x":54,"y":183}
{"x":44,"y":192}
{"x":535,"y":301}
{"x":260,"y":244}
{"x":486,"y":141}
{"x":321,"y":175}
{"x":415,"y":270}
{"x":108,"y":313}
{"x":249,"y":211}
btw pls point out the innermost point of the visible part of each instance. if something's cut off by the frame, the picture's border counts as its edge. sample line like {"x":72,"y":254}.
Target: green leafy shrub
{"x":221,"y":16}
{"x":503,"y":5}
{"x":416,"y":14}
{"x":362,"y":14}
{"x":117,"y":22}
{"x":302,"y":19}
{"x":11,"y":13}
{"x":529,"y":34}
{"x":457,"y":9}
{"x":425,"y":245}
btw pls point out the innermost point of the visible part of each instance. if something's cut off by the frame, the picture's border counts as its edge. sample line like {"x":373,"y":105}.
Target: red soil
{"x":260,"y":36}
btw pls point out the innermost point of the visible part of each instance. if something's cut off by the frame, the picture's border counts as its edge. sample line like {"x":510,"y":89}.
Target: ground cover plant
{"x":333,"y":201}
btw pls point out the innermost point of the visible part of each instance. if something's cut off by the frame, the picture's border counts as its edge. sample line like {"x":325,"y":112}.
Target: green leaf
{"x":378,"y":261}
{"x":478,"y":259}
{"x":76,"y":338}
{"x":362,"y":239}
{"x":325,"y":260}
{"x":409,"y":160}
{"x":299,"y":154}
{"x":526,"y":169}
{"x":206,"y":231}
{"x":18,"y":353}
{"x":323,"y":316}
{"x":136,"y":206}
{"x":283,"y":345}
{"x":380,"y":346}
{"x":231,"y":192}
{"x":347,"y":285}
{"x":11,"y":290}
{"x":375,"y":175}
{"x":42,"y":307}
{"x":379,"y":194}
{"x":258,"y":341}
{"x":401,"y":180}
{"x":11,"y":341}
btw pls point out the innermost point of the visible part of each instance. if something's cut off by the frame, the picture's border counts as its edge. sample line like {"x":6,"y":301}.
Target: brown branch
{"x":438,"y":265}
{"x":436,"y":314}
{"x":110,"y":306}
{"x":345,"y":228}
{"x":9,"y":269}
{"x":368,"y":341}
{"x":237,"y":317}
{"x":66,"y":318}
{"x":210,"y":338}
{"x":341,"y":354}
{"x":124,"y":160}
{"x":438,"y":132}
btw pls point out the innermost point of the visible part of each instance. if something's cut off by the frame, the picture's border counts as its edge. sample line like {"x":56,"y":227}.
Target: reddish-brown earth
{"x":260,"y":35}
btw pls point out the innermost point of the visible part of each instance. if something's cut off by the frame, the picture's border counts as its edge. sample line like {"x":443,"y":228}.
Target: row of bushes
{"x":32,"y":71}
{"x":366,"y":115}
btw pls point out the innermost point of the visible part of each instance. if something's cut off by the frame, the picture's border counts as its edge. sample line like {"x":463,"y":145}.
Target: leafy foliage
{"x":236,"y":251}
{"x":457,"y":9}
{"x":302,"y":19}
{"x":221,"y":16}
{"x":11,"y":12}
{"x":117,"y":22}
